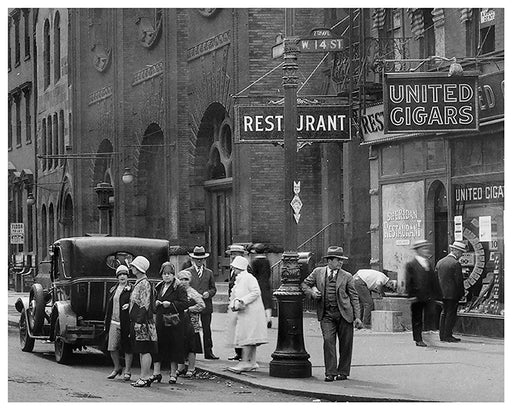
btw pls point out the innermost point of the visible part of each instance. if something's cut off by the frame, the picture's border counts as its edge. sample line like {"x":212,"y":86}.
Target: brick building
{"x":154,"y":89}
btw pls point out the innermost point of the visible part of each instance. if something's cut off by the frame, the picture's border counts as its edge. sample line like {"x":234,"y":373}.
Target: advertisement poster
{"x":403,"y":219}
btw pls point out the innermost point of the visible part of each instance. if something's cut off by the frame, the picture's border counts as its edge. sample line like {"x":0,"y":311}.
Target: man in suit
{"x":202,"y":280}
{"x":337,"y":311}
{"x":233,"y":251}
{"x":451,"y":281}
{"x":421,"y":286}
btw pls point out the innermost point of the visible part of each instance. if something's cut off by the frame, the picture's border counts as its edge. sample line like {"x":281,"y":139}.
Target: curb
{"x":316,"y":395}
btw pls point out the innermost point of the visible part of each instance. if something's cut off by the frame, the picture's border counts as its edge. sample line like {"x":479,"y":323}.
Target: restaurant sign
{"x":318,"y":123}
{"x":430,"y":102}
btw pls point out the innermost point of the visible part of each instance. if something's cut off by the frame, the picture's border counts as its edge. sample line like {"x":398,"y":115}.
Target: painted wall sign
{"x":425,"y":102}
{"x":403,"y":217}
{"x":265,"y":123}
{"x":479,"y":193}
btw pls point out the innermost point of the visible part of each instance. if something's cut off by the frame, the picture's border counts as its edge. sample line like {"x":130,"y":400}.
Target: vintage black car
{"x":71,"y":311}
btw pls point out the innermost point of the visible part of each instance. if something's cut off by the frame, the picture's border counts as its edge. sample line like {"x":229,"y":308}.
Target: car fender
{"x":62,"y":311}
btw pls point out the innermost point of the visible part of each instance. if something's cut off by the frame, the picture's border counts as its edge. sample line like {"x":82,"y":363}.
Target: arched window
{"x":49,"y":141}
{"x":44,"y":233}
{"x":56,"y":130}
{"x":61,"y":136}
{"x":51,"y":224}
{"x":43,"y":143}
{"x":46,"y":51}
{"x":56,"y":47}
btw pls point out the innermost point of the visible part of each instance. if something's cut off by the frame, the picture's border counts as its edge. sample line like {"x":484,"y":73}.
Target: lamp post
{"x":290,"y":358}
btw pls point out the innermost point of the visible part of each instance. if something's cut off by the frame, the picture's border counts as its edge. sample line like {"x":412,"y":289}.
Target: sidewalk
{"x":385,"y":366}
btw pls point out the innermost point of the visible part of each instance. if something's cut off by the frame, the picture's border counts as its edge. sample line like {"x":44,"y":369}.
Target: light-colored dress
{"x":248,"y":326}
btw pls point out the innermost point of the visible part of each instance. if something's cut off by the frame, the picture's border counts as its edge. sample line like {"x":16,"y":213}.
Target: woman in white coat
{"x":247,"y":324}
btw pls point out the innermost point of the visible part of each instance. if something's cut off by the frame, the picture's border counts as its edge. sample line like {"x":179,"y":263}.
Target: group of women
{"x":161,"y":324}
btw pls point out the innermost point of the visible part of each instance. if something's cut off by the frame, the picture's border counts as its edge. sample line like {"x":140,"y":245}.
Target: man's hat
{"x":236,"y":248}
{"x":199,"y":253}
{"x":258,"y":248}
{"x":420,"y":244}
{"x":459,"y":245}
{"x":335,"y":252}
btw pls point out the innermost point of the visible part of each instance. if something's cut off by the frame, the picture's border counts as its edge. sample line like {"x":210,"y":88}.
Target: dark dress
{"x":123,"y":314}
{"x":171,"y":338}
{"x":260,"y":267}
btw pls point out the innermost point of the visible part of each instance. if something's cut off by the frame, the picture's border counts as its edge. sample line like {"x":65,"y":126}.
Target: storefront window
{"x":479,"y":213}
{"x":478,"y":155}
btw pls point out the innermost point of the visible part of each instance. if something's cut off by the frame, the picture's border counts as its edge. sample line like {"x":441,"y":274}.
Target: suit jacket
{"x":346,"y":293}
{"x":450,"y":277}
{"x":421,"y":283}
{"x":205,"y":284}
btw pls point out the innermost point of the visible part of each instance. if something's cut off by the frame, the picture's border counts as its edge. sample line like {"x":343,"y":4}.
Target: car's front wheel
{"x":26,"y":342}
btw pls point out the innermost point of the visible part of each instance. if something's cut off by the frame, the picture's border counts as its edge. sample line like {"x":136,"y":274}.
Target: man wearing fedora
{"x":202,"y":280}
{"x":233,"y":251}
{"x":421,"y":286}
{"x":451,"y":281}
{"x":337,"y":311}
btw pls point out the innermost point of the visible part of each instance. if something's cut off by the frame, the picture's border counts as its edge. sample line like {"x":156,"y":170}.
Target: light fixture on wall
{"x":127,"y":176}
{"x":30,"y":199}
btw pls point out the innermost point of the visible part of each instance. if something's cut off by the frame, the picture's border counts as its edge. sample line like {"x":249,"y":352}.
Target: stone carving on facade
{"x":100,"y":35}
{"x":150,"y":28}
{"x":207,"y":12}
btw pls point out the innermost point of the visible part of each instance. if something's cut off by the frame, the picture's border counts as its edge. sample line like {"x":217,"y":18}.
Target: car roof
{"x":86,"y":256}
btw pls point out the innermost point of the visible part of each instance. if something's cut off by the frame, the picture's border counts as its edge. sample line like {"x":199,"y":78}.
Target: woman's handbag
{"x":171,"y":319}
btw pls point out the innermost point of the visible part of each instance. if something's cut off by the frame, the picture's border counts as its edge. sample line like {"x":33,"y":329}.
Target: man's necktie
{"x":332,"y":274}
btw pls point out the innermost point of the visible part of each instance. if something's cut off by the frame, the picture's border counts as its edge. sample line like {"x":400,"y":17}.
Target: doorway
{"x":437,"y":220}
{"x":219,"y":223}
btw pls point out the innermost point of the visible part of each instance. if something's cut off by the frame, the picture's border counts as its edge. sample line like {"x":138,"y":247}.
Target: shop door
{"x":219,"y":222}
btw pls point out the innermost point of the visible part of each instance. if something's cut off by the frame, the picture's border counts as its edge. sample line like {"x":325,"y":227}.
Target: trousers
{"x":333,"y":325}
{"x":366,"y":303}
{"x":206,"y":324}
{"x":448,"y":318}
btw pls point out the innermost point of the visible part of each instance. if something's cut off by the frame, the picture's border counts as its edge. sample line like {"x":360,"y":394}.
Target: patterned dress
{"x":142,"y":324}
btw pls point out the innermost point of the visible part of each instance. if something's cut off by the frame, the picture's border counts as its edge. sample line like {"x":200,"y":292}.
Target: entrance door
{"x":219,"y":223}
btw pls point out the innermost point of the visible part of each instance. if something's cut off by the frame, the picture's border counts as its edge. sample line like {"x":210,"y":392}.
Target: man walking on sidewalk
{"x":202,"y":280}
{"x":451,"y":281}
{"x":421,"y":286}
{"x":337,"y":311}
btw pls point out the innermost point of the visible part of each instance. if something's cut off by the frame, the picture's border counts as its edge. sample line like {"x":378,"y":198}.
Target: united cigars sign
{"x":265,"y":123}
{"x":430,"y":102}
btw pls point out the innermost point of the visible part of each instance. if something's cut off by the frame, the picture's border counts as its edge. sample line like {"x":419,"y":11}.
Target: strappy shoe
{"x":181,"y":372}
{"x":173,"y":380}
{"x":156,"y":378}
{"x":142,"y":383}
{"x":190,"y":373}
{"x":127,"y":377}
{"x":114,"y":374}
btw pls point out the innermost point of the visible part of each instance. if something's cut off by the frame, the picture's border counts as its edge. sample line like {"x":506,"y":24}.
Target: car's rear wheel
{"x":26,"y":342}
{"x":63,"y":350}
{"x":36,"y":310}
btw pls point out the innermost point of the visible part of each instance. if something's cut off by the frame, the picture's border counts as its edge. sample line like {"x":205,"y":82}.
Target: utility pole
{"x":290,"y":358}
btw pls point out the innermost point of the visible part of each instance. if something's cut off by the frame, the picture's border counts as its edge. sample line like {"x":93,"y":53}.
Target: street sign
{"x":17,"y":234}
{"x":315,"y":122}
{"x":315,"y":45}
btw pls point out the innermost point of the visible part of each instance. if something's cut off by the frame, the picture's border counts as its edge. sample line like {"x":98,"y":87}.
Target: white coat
{"x":248,"y":326}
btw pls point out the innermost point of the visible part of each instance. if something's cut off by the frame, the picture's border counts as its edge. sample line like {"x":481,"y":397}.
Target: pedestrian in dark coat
{"x":260,"y":266}
{"x":202,"y":280}
{"x":421,"y":287}
{"x":451,"y":282}
{"x":171,"y":297}
{"x":337,"y":311}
